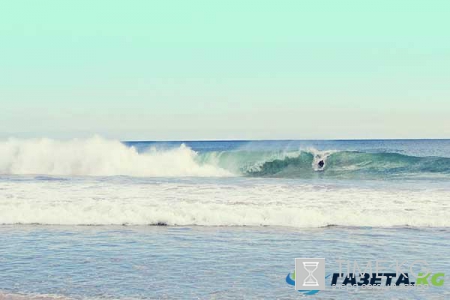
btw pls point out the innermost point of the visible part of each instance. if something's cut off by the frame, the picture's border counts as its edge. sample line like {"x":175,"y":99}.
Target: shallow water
{"x":200,"y":262}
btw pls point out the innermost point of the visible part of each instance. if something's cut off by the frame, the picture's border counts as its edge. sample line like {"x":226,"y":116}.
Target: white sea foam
{"x":320,"y":156}
{"x":98,"y":157}
{"x":34,"y":296}
{"x":247,"y":202}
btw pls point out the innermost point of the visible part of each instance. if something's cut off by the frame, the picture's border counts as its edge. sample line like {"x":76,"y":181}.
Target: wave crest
{"x":97,"y":156}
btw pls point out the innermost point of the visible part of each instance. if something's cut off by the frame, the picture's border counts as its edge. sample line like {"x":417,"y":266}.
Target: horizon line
{"x":288,"y":140}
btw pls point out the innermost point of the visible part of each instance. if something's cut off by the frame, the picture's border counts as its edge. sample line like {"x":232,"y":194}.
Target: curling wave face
{"x":354,"y":165}
{"x":335,"y":164}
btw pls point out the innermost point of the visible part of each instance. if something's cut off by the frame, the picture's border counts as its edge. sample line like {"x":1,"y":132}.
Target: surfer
{"x":321,"y":164}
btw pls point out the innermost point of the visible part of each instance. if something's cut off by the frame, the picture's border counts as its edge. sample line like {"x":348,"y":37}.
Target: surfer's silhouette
{"x":321,"y":164}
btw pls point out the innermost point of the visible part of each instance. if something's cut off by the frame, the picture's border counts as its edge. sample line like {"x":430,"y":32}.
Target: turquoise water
{"x":78,"y":217}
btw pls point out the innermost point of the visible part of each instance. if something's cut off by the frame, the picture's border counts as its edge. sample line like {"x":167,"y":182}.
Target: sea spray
{"x":97,"y":156}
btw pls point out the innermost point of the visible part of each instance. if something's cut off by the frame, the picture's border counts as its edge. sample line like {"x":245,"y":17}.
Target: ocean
{"x":105,"y":219}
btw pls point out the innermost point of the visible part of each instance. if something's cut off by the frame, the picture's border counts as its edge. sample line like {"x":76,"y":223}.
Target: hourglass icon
{"x":310,"y":267}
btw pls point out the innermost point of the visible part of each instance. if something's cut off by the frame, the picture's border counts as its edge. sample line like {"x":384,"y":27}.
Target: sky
{"x":187,"y":70}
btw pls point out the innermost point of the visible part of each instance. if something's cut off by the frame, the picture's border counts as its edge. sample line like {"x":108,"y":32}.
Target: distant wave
{"x":101,"y":157}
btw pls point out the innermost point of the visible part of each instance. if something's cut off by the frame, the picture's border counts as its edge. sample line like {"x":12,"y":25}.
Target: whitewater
{"x":123,"y":201}
{"x":97,"y":181}
{"x":97,"y":157}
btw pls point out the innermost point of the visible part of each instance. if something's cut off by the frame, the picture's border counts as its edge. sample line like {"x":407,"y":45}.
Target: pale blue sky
{"x":225,"y":69}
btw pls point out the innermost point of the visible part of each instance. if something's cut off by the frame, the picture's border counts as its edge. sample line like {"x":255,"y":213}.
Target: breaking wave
{"x":349,"y":164}
{"x":335,"y":164}
{"x":101,"y":157}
